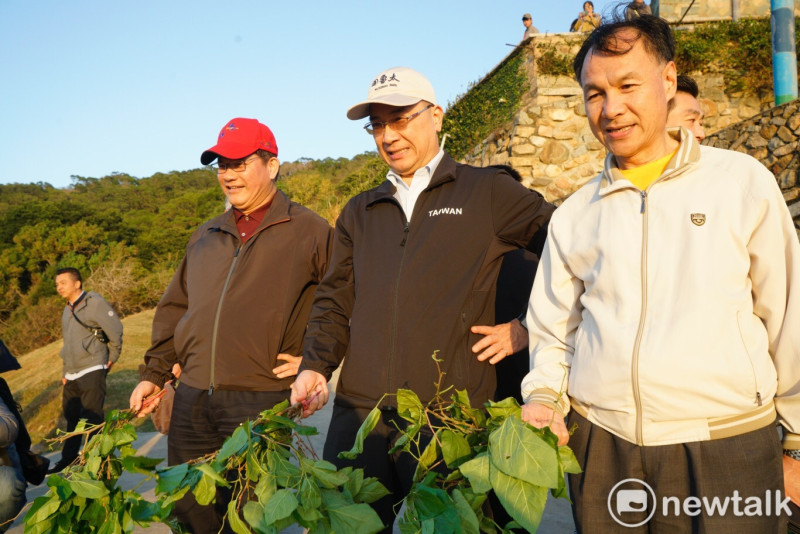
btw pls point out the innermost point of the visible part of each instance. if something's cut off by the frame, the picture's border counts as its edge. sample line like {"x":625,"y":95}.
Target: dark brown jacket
{"x":397,"y":291}
{"x":231,"y":308}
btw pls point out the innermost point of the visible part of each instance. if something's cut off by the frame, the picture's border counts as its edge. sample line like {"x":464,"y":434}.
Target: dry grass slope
{"x":37,"y":386}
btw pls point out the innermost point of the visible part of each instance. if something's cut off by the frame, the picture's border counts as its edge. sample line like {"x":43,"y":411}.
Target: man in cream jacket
{"x":665,"y":316}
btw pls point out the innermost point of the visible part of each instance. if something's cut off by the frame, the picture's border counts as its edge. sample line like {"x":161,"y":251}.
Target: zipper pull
{"x":644,"y":198}
{"x":210,"y":389}
{"x":236,"y":253}
{"x":405,"y":236}
{"x":758,"y":398}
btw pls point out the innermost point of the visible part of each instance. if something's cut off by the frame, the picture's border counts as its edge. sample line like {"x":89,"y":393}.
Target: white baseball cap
{"x":398,"y":86}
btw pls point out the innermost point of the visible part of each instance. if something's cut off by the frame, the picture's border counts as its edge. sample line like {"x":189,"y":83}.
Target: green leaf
{"x":405,"y":439}
{"x":409,"y":406}
{"x":105,"y":444}
{"x":253,"y":466}
{"x":371,"y":490}
{"x":236,"y":444}
{"x":93,"y":466}
{"x":91,"y":489}
{"x":123,"y":436}
{"x":523,"y":501}
{"x":366,"y":427}
{"x":517,"y":450}
{"x":209,"y":471}
{"x":280,"y":506}
{"x":170,"y":478}
{"x":504,"y":408}
{"x":427,"y":458}
{"x":253,"y":513}
{"x":333,"y":499}
{"x":455,"y":447}
{"x":326,"y":473}
{"x":306,"y":430}
{"x":477,"y":472}
{"x":468,"y":520}
{"x":308,"y":515}
{"x":43,"y":507}
{"x":206,"y":490}
{"x":235,"y":522}
{"x":286,"y":473}
{"x":265,"y":488}
{"x":140,"y":464}
{"x":355,"y":519}
{"x":436,"y":504}
{"x":568,"y":461}
{"x":309,"y":495}
{"x":463,"y":398}
{"x":355,"y":479}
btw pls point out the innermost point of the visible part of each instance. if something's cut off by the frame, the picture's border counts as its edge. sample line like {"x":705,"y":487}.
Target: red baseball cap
{"x":240,"y":138}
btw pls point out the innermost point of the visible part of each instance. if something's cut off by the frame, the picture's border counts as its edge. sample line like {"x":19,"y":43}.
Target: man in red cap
{"x":235,"y":312}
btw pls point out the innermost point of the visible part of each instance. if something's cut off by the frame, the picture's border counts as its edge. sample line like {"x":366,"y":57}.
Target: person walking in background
{"x":234,"y":315}
{"x":587,"y":19}
{"x":92,"y":343}
{"x":404,"y":282}
{"x":637,"y":8}
{"x":530,"y":29}
{"x":663,"y":318}
{"x":685,"y":110}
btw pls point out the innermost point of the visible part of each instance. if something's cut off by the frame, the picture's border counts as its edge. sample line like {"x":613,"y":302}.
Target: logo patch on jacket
{"x":699,"y":219}
{"x":445,"y":211}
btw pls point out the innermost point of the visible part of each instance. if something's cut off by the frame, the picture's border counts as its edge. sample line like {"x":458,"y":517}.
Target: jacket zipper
{"x":637,"y":344}
{"x":393,"y":345}
{"x":222,"y":297}
{"x":216,"y":320}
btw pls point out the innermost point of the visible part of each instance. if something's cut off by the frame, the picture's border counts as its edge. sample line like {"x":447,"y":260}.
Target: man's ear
{"x":438,"y":116}
{"x":670,"y":77}
{"x":273,"y":167}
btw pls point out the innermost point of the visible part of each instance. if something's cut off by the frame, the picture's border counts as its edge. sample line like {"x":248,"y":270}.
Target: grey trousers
{"x":731,"y":485}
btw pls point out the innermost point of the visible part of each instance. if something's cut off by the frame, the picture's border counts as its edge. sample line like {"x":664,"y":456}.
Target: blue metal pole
{"x":784,"y":53}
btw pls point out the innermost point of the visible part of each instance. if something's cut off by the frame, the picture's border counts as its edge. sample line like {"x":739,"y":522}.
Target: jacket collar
{"x":445,"y":172}
{"x":687,"y":155}
{"x":277,"y":212}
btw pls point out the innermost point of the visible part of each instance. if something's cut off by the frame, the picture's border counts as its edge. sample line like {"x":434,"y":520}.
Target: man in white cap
{"x":413,"y":266}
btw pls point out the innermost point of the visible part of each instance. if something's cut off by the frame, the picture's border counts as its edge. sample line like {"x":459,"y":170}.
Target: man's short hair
{"x":686,"y":84}
{"x":265,"y":156}
{"x":72,"y":271}
{"x":658,"y":40}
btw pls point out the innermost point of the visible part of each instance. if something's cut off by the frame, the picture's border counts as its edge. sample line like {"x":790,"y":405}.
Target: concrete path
{"x":557,"y":517}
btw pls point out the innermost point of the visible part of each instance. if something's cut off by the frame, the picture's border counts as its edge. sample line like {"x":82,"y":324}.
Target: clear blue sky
{"x":95,"y":87}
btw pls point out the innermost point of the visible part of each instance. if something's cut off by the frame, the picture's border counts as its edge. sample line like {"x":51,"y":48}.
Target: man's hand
{"x":311,"y":389}
{"x":791,"y":479}
{"x":138,"y":403}
{"x":289,"y":368}
{"x":63,"y":381}
{"x":541,"y":416}
{"x":499,"y":341}
{"x":109,"y":365}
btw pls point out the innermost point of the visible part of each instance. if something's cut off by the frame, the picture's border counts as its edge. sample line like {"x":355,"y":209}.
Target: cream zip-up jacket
{"x":671,"y":315}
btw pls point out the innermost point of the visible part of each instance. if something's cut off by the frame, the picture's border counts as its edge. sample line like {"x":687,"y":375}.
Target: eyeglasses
{"x":237,"y":165}
{"x":398,"y":124}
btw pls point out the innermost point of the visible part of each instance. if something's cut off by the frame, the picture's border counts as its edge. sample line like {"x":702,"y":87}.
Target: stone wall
{"x":773,"y":138}
{"x":706,"y":10}
{"x":549,"y":141}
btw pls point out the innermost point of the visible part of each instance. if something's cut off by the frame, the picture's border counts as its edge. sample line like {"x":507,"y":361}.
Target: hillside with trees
{"x":127,"y":235}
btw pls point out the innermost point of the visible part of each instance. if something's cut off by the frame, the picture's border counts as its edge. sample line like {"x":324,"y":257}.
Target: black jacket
{"x":398,"y":291}
{"x":232,"y":307}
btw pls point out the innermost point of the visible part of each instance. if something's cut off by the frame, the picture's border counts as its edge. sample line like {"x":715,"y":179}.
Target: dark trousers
{"x":395,"y":471}
{"x":82,"y":398}
{"x":747,"y":466}
{"x":200,"y":424}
